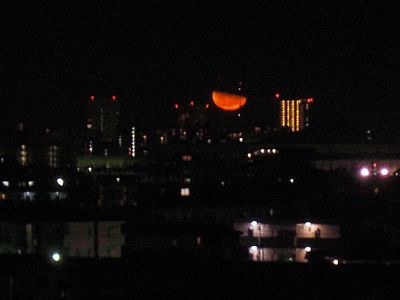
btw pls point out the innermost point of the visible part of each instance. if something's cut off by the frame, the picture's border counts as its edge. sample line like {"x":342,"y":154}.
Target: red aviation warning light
{"x":277,"y":95}
{"x":207,"y":105}
{"x":192,"y":103}
{"x":176,"y":105}
{"x":91,"y":98}
{"x":310,"y":100}
{"x":114,"y":98}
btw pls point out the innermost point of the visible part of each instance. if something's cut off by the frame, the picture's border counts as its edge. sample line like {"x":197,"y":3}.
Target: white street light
{"x":60,"y":181}
{"x":56,"y":257}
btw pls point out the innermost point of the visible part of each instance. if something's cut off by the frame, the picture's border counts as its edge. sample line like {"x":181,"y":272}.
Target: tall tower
{"x":103,"y":117}
{"x":294,"y":113}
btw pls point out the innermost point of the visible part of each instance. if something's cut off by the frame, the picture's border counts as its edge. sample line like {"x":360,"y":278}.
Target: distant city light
{"x":114,"y":98}
{"x":91,"y":98}
{"x":249,"y":155}
{"x":191,"y":103}
{"x":262,"y":151}
{"x":176,"y":106}
{"x":90,"y":169}
{"x":6,"y":183}
{"x":241,"y":139}
{"x":253,"y":249}
{"x":274,"y":151}
{"x":117,"y":179}
{"x":335,"y":262}
{"x":31,"y":183}
{"x":207,"y":105}
{"x":277,"y":95}
{"x":133,"y":145}
{"x":60,"y":181}
{"x":185,"y":192}
{"x":384,"y":171}
{"x":307,"y":249}
{"x":364,"y":172}
{"x":291,"y":180}
{"x":56,"y":257}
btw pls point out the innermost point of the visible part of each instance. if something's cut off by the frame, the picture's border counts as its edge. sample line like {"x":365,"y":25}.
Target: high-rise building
{"x":294,"y":114}
{"x":103,"y":117}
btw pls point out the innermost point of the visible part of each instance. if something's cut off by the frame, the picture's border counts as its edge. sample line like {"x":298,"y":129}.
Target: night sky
{"x":344,"y":55}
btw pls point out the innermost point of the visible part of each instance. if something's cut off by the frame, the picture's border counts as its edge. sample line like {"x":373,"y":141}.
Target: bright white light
{"x":253,"y":224}
{"x":31,"y":183}
{"x":262,"y":151}
{"x":364,"y":172}
{"x":241,"y":139}
{"x":90,"y":169}
{"x":335,"y":262}
{"x":307,"y":224}
{"x":185,"y":192}
{"x":56,"y":257}
{"x":253,"y":249}
{"x":117,"y":179}
{"x":291,"y":180}
{"x":133,"y":141}
{"x":60,"y":181}
{"x":6,"y":183}
{"x":307,"y":249}
{"x":384,"y":171}
{"x":249,"y":155}
{"x":274,"y":151}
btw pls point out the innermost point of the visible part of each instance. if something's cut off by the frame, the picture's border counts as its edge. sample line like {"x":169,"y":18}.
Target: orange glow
{"x":228,"y":102}
{"x":91,"y":98}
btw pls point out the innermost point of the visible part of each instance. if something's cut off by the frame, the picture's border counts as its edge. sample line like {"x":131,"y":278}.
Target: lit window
{"x":187,"y":157}
{"x":253,"y":249}
{"x":185,"y":192}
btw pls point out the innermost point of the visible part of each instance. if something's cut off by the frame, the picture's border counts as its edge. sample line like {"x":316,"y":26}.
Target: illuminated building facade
{"x":294,"y":114}
{"x":103,"y":117}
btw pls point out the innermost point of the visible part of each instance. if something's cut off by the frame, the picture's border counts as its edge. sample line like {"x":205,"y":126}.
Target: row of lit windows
{"x":291,"y":114}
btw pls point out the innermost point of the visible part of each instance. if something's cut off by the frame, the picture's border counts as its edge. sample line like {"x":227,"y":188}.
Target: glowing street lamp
{"x":384,"y":172}
{"x":60,"y":181}
{"x":56,"y":257}
{"x":364,"y":172}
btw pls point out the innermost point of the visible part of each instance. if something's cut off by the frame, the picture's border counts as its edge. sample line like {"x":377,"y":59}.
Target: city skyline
{"x":153,"y":56}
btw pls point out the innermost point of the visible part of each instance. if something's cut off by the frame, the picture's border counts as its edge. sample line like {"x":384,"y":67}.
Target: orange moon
{"x":228,"y":102}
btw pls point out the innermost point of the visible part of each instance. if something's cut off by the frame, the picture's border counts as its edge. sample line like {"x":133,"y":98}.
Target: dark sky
{"x":344,"y":54}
